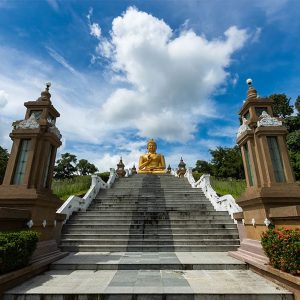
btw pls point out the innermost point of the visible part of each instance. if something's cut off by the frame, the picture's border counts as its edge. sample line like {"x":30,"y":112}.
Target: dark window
{"x":47,"y":175}
{"x":249,"y":166}
{"x":21,"y":162}
{"x":247,"y":116}
{"x":36,"y":113}
{"x":276,"y":159}
{"x":51,"y":119}
{"x":259,"y":110}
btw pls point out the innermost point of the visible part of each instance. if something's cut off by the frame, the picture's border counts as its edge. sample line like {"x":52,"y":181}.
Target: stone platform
{"x":181,"y":275}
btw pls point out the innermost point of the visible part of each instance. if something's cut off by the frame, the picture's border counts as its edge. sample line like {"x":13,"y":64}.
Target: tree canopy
{"x":202,"y":166}
{"x":281,"y":105}
{"x":227,"y":162}
{"x":297,"y":104}
{"x":67,"y":167}
{"x":86,"y":168}
{"x":3,"y":162}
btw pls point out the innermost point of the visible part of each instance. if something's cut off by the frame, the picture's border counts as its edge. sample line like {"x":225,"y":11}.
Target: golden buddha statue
{"x":152,"y":162}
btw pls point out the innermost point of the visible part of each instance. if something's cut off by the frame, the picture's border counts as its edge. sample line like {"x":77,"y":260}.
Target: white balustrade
{"x":174,"y":172}
{"x":75,"y":203}
{"x":224,"y":203}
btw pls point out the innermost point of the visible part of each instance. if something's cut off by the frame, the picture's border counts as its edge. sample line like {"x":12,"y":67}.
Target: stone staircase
{"x":150,"y":213}
{"x":150,"y":237}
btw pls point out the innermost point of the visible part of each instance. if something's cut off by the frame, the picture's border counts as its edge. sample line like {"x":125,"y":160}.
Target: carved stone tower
{"x":120,"y":168}
{"x":272,"y":194}
{"x":28,"y":177}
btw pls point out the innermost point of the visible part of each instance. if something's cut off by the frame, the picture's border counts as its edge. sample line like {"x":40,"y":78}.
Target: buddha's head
{"x":151,"y":146}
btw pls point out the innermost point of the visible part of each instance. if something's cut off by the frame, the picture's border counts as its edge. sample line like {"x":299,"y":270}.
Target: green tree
{"x":292,"y":123}
{"x":227,"y":162}
{"x":295,"y":162}
{"x":293,"y":141}
{"x":281,"y":105}
{"x":202,"y":166}
{"x":3,"y":162}
{"x":297,"y":104}
{"x":66,"y":166}
{"x":86,"y":168}
{"x":293,"y":144}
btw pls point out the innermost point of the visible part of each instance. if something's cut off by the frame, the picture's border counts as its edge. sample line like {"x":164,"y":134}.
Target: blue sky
{"x":126,"y":71}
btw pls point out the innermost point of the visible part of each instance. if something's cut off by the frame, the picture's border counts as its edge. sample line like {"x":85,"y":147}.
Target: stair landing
{"x":206,"y":282}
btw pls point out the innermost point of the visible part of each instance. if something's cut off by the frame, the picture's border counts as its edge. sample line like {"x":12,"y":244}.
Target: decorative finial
{"x":120,"y":168}
{"x":48,"y":84}
{"x":133,"y":170}
{"x":181,"y":168}
{"x":252,"y":93}
{"x":45,"y":95}
{"x":169,"y":169}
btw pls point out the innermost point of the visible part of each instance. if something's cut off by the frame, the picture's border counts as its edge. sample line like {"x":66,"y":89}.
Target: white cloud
{"x":256,"y":36}
{"x":95,"y":30}
{"x":3,"y":98}
{"x":271,"y":7}
{"x":235,"y":78}
{"x":53,"y":4}
{"x":171,"y":77}
{"x":224,"y":131}
{"x":61,"y":60}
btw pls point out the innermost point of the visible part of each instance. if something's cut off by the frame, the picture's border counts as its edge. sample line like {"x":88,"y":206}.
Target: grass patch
{"x":77,"y":186}
{"x":225,"y":186}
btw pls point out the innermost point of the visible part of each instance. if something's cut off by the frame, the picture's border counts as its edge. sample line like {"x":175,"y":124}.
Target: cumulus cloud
{"x":170,"y":78}
{"x":95,"y":29}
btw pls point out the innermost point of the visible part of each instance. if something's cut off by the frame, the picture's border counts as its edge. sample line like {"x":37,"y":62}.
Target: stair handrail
{"x":75,"y":203}
{"x":224,"y":203}
{"x":127,"y":173}
{"x":189,"y":176}
{"x":174,"y":172}
{"x":112,"y":177}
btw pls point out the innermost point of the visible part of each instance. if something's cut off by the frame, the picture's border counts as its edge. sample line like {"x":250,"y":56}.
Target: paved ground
{"x":148,"y":281}
{"x":242,"y":284}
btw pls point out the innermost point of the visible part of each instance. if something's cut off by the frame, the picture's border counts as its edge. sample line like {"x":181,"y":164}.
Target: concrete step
{"x":149,"y":248}
{"x":149,"y":207}
{"x":149,"y":236}
{"x":148,"y":261}
{"x":147,"y":242}
{"x":183,"y":227}
{"x":140,"y":214}
{"x":150,"y":231}
{"x":129,"y":199}
{"x":151,"y":222}
{"x":153,"y":216}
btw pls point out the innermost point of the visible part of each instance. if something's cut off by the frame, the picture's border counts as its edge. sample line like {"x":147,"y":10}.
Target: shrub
{"x":197,"y":175}
{"x":77,"y":186}
{"x":104,"y":176}
{"x":233,"y":187}
{"x":16,"y":249}
{"x":282,"y":246}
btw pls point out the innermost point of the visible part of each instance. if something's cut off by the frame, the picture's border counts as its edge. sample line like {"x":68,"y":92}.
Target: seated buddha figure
{"x":152,"y":162}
